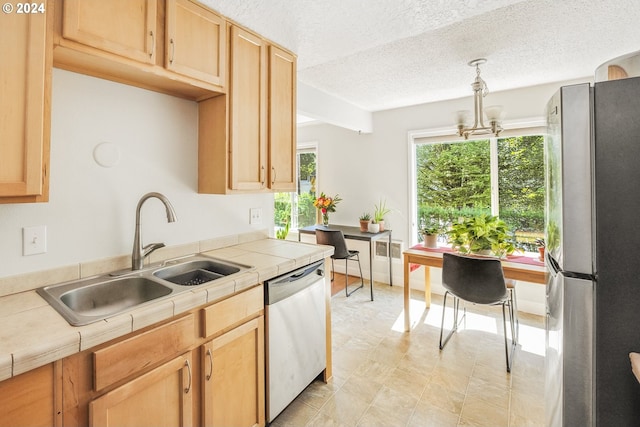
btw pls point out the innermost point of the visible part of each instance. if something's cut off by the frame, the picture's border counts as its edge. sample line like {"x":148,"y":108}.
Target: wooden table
{"x":433,"y":258}
{"x":354,"y":233}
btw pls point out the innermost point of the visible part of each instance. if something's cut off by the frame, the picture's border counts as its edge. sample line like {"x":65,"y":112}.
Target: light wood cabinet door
{"x":161,"y":397}
{"x":247,"y":139}
{"x":282,"y":120}
{"x":123,"y":27}
{"x":195,"y":42}
{"x":247,"y":115}
{"x":25,"y":94}
{"x":29,"y":399}
{"x":233,"y":382}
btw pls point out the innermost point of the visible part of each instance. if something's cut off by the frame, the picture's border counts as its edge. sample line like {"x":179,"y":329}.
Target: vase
{"x":364,"y":225}
{"x":325,"y":219}
{"x":374,"y":228}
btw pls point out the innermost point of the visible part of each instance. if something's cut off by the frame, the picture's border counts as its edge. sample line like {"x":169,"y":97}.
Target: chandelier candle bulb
{"x":494,"y":113}
{"x":462,"y":117}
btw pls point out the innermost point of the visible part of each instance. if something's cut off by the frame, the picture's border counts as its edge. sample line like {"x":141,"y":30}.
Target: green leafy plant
{"x":282,"y":233}
{"x":365,"y":217}
{"x":481,"y":233}
{"x":431,"y":226}
{"x":380,"y":211}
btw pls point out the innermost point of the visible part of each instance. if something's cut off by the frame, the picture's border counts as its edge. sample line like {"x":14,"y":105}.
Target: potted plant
{"x":373,"y":227}
{"x":430,"y":228}
{"x":483,"y":234}
{"x":365,"y":219}
{"x":282,"y":233}
{"x":541,"y":245}
{"x":379,"y":213}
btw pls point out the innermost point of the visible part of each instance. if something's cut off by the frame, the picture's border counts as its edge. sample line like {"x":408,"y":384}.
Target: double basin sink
{"x":92,"y":299}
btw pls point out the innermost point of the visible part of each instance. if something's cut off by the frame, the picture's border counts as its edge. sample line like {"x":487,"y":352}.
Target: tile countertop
{"x":34,"y":334}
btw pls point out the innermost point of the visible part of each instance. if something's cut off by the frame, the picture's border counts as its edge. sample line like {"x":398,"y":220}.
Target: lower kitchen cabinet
{"x":233,"y":377}
{"x":205,"y":367}
{"x":30,"y":399}
{"x":161,"y":397}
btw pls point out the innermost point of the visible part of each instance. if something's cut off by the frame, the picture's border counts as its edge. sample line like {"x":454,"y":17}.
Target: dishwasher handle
{"x":300,"y":274}
{"x":284,"y":286}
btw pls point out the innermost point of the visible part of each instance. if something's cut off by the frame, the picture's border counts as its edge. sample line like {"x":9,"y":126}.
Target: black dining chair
{"x":479,"y":281}
{"x":336,"y":239}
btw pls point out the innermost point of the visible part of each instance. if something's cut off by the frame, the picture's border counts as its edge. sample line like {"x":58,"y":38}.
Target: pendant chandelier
{"x":494,"y":113}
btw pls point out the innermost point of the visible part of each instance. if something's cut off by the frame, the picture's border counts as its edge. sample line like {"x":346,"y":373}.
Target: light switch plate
{"x":34,"y":240}
{"x":255,"y":216}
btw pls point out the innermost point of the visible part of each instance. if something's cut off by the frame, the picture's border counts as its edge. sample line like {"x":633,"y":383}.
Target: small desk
{"x":354,"y":233}
{"x":433,"y":258}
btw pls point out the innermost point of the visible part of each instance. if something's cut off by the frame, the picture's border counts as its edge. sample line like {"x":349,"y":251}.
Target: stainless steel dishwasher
{"x":295,"y":337}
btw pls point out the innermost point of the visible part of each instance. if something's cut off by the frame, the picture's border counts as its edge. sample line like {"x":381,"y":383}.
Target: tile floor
{"x":384,"y":377}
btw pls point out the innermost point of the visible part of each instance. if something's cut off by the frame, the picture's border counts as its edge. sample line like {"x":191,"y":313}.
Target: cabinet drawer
{"x":233,"y":310}
{"x":120,"y":360}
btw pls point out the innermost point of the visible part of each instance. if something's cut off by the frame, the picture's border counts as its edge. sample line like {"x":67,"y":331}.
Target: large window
{"x":297,"y":208}
{"x":500,"y":176}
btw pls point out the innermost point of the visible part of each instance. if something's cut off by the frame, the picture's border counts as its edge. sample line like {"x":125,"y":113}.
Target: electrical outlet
{"x":34,"y":240}
{"x":255,"y":216}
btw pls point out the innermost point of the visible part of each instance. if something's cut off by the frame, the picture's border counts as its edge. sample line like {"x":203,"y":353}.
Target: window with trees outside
{"x":296,"y":209}
{"x":498,"y":176}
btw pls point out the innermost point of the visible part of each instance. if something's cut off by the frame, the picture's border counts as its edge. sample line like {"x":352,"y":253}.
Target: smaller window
{"x":297,"y":208}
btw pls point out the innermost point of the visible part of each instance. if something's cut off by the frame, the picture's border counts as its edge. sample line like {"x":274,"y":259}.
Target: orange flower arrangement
{"x":325,"y":205}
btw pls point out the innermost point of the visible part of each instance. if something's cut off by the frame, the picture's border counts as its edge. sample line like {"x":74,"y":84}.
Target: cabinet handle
{"x":262,"y":175}
{"x":210,"y":356}
{"x":273,"y":173}
{"x":173,"y":50}
{"x":153,"y":44}
{"x":188,"y":365}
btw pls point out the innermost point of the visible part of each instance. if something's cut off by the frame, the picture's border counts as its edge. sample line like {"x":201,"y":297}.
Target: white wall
{"x":363,"y":168}
{"x":91,"y":210}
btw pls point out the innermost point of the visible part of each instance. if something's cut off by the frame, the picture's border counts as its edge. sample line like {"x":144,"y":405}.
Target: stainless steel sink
{"x":197,"y":271}
{"x":103,"y":299}
{"x":86,"y":301}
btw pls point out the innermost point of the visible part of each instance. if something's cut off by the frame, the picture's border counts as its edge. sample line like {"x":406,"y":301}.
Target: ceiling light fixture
{"x":494,"y":113}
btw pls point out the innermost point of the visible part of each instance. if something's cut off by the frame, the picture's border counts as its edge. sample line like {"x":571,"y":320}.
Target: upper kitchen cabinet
{"x":171,"y":46}
{"x":247,"y":111}
{"x":247,"y":138}
{"x":195,"y":44}
{"x":125,"y":27}
{"x":282,"y":120}
{"x":25,"y":110}
{"x":232,"y":153}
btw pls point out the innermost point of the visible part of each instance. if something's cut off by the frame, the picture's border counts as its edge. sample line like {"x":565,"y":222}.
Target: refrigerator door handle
{"x":552,"y":264}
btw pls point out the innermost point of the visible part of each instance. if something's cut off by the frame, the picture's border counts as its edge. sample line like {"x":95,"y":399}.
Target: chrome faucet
{"x":139,"y":252}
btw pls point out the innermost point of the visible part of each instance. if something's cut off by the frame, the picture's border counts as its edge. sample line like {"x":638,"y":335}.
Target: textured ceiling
{"x":382,"y":54}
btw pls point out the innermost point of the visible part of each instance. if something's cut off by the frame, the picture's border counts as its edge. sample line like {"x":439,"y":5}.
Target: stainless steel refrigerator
{"x":592,"y":156}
